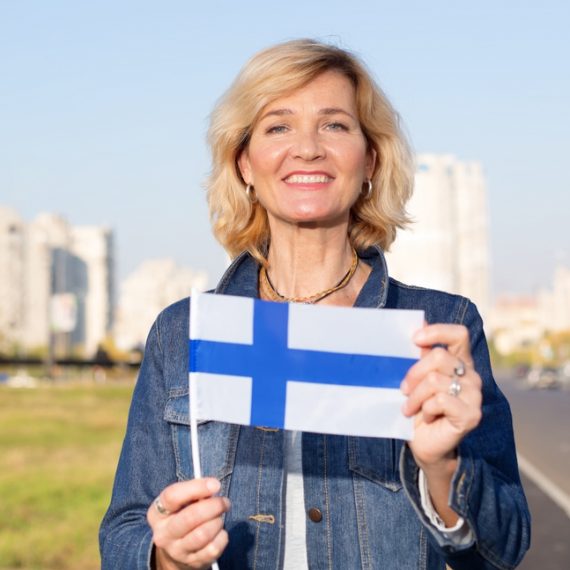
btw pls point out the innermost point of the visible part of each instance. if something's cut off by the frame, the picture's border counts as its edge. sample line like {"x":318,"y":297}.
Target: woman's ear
{"x":370,"y":162}
{"x":244,"y":166}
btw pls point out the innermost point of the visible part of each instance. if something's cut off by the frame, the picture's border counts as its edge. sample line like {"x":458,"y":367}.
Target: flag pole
{"x":192,"y":406}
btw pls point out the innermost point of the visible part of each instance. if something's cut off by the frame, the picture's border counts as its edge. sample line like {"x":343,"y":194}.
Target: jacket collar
{"x":241,"y":278}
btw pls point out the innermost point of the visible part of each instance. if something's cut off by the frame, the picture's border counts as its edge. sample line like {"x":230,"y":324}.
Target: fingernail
{"x":227,"y":503}
{"x":213,"y":485}
{"x":404,"y":387}
{"x":404,"y":408}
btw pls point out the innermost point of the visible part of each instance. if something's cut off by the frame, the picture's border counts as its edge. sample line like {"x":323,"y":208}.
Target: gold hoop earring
{"x":249,"y":193}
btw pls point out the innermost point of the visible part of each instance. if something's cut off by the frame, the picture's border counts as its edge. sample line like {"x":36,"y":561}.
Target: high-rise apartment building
{"x":12,"y":311}
{"x":92,"y":247}
{"x":154,"y":285}
{"x":48,"y":260}
{"x":47,"y":245}
{"x":447,"y":247}
{"x":554,"y":302}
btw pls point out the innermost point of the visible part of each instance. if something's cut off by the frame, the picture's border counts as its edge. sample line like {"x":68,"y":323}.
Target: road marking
{"x":545,"y":484}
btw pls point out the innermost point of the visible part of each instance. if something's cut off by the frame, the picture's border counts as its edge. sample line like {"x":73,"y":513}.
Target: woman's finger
{"x":193,"y":516}
{"x":202,"y":535}
{"x":433,"y":383}
{"x":454,"y":337}
{"x":441,"y":404}
{"x":437,"y":359}
{"x":210,"y":553}
{"x":178,"y":495}
{"x":463,"y":416}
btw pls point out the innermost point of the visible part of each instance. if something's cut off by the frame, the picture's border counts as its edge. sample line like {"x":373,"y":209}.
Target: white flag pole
{"x":194,"y":430}
{"x":193,"y":402}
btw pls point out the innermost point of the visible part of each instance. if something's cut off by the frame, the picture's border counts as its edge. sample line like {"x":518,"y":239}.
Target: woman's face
{"x":307,"y":157}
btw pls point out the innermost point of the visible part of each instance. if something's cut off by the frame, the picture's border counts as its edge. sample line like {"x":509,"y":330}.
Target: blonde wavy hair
{"x":239,"y":224}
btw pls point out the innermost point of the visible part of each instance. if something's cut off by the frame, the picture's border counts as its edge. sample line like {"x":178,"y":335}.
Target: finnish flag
{"x":301,"y":367}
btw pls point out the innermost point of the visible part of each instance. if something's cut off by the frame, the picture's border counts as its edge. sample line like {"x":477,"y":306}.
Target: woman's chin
{"x":315,"y":216}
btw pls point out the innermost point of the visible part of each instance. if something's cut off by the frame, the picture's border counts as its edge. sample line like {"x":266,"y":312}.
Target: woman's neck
{"x":305,"y":261}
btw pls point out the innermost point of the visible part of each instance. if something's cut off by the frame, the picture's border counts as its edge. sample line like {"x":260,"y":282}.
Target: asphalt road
{"x":541,"y":420}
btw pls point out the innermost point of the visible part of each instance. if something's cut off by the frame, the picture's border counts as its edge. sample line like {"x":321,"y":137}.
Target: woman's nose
{"x":308,"y":145}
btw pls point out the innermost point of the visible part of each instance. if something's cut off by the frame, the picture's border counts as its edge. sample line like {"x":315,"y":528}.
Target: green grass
{"x":59,"y":447}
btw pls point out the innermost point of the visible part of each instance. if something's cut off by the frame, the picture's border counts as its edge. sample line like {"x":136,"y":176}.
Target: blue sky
{"x":104,"y":108}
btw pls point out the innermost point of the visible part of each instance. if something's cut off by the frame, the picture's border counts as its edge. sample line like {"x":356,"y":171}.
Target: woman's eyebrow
{"x":335,"y":111}
{"x":276,"y":113}
{"x":325,"y":111}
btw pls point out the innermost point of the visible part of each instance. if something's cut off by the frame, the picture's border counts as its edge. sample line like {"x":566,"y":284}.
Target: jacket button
{"x":315,"y":514}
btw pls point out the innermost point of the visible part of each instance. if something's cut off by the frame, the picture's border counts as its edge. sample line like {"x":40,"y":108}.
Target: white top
{"x":295,"y":516}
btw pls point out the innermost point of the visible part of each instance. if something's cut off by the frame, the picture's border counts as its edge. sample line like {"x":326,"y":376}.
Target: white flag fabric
{"x":302,"y":367}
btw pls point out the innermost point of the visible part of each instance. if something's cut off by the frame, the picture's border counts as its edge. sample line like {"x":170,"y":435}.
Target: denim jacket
{"x":365,"y":488}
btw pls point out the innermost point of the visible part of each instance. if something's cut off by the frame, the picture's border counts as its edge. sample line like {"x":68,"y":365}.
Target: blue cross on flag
{"x":312,"y":368}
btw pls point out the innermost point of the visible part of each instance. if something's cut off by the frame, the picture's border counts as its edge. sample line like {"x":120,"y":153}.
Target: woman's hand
{"x":444,"y":395}
{"x":187,"y":526}
{"x":442,"y":418}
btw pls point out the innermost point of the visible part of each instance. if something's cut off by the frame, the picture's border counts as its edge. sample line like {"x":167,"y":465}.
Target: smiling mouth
{"x":308,"y":179}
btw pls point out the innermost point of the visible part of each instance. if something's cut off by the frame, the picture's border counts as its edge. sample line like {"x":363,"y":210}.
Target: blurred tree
{"x":112,"y":351}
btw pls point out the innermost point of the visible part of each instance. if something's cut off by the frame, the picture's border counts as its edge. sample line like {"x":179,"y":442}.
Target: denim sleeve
{"x":146,"y":466}
{"x":486,"y":489}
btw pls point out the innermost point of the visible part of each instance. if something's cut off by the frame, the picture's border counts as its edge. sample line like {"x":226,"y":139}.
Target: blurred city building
{"x":519,"y":321}
{"x":93,"y":246}
{"x":447,"y":246}
{"x":12,"y":310}
{"x":514,"y":323}
{"x":57,"y":284}
{"x":554,"y":303}
{"x":154,"y":285}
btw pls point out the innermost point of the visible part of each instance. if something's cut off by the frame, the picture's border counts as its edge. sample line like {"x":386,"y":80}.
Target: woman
{"x":310,"y":179}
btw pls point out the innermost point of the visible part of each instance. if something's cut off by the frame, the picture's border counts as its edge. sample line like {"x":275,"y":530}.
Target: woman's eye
{"x":336,"y":126}
{"x":276,"y":129}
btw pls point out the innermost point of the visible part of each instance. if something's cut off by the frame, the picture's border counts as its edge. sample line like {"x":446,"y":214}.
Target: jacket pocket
{"x":376,"y":459}
{"x":217,"y":441}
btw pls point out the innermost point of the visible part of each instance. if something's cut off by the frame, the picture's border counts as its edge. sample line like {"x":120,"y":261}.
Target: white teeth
{"x":308,"y":179}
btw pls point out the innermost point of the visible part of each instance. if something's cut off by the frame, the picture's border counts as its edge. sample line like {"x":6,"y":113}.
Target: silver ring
{"x":160,"y":507}
{"x":454,"y":388}
{"x":460,"y":369}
